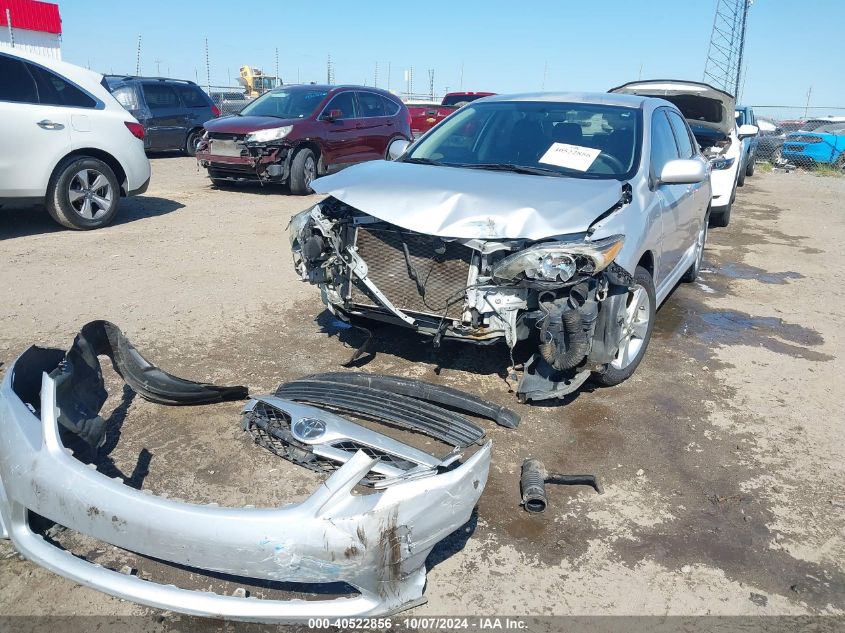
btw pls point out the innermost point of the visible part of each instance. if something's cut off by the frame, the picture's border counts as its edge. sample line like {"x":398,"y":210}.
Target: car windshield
{"x":581,"y":140}
{"x":286,"y":104}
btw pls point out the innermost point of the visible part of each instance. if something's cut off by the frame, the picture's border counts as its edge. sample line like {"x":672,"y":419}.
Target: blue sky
{"x":503,"y":46}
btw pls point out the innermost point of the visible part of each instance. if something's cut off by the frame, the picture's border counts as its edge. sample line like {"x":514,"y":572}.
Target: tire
{"x":722,"y":218}
{"x":740,"y":178}
{"x":90,"y":208}
{"x":191,"y":141}
{"x":839,"y":163}
{"x":701,"y":239}
{"x":623,"y":367}
{"x":749,"y":169}
{"x":777,"y":157}
{"x":303,"y":170}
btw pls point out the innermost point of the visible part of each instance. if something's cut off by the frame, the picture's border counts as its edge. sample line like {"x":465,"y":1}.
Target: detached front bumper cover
{"x":377,"y":543}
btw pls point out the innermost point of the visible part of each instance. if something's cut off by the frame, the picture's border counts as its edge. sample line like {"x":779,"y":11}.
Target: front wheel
{"x":749,"y":170}
{"x":722,"y":217}
{"x":637,"y":325}
{"x":83,"y":193}
{"x":303,"y":170}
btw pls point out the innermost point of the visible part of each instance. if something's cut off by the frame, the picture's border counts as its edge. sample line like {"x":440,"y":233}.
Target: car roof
{"x":127,"y":78}
{"x":600,"y":98}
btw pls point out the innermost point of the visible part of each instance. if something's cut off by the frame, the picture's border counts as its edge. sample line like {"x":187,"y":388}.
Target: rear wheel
{"x":777,"y":157}
{"x":840,"y":161}
{"x":191,"y":142}
{"x":637,"y":325}
{"x":83,"y":193}
{"x":303,"y":170}
{"x":749,"y":169}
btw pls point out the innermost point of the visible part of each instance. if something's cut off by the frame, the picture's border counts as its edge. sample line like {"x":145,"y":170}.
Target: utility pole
{"x":375,"y":77}
{"x":138,"y":58}
{"x":11,"y":30}
{"x":461,"y":88}
{"x":431,"y":83}
{"x":388,"y":75}
{"x":545,"y":71}
{"x":207,"y":69}
{"x":157,"y":62}
{"x":807,"y":107}
{"x":277,"y":65}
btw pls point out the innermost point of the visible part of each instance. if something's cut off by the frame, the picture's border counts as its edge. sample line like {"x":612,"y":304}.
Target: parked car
{"x":771,"y":143}
{"x":745,"y":116}
{"x":709,"y":112}
{"x":425,"y":116}
{"x":562,"y":219}
{"x":825,"y":145}
{"x":172,"y":111}
{"x":66,"y":142}
{"x":293,"y":134}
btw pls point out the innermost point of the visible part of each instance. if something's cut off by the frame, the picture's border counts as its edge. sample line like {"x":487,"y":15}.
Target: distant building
{"x":34,"y":27}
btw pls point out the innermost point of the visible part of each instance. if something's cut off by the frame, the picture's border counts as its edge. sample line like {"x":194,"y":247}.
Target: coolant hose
{"x":575,"y":346}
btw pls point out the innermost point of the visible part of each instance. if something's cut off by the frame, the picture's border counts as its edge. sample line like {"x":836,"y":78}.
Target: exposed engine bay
{"x":567,"y":293}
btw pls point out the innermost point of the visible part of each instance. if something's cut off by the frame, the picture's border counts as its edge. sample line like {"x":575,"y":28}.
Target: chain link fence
{"x":805,"y":137}
{"x":230,"y":99}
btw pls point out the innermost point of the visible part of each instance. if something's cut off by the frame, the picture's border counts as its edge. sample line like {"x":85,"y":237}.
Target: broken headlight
{"x":559,"y":261}
{"x":297,"y":223}
{"x":271,"y":134}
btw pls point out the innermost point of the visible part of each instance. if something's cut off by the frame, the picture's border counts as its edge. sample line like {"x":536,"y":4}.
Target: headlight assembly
{"x":559,"y":261}
{"x":297,"y":223}
{"x":722,"y":163}
{"x":271,"y":134}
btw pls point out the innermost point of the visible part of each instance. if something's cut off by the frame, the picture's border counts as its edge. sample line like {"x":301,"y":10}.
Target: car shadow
{"x":371,"y":338}
{"x":252,"y":188}
{"x":22,"y":221}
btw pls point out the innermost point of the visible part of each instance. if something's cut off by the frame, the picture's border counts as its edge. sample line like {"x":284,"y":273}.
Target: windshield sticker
{"x":570,"y":156}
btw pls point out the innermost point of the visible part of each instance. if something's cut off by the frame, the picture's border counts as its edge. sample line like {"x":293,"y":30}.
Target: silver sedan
{"x":563,"y":219}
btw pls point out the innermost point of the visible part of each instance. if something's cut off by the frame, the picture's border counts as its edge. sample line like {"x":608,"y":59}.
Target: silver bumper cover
{"x":377,"y":543}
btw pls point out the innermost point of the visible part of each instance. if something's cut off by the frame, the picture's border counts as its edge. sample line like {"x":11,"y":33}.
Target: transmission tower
{"x":723,"y":68}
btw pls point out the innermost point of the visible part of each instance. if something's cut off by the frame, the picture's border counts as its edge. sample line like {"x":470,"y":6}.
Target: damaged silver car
{"x":561,"y":219}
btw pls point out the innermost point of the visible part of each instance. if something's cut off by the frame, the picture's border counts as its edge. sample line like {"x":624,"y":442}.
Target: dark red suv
{"x":297,"y":133}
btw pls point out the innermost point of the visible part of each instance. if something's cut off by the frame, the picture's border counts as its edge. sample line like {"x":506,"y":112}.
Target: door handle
{"x":46,"y":124}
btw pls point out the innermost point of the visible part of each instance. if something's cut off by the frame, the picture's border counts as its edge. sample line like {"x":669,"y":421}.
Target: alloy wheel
{"x":634,"y":327}
{"x":309,"y":171}
{"x":90,"y":194}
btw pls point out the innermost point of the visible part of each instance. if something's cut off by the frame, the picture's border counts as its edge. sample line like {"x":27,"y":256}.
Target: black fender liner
{"x":80,"y":390}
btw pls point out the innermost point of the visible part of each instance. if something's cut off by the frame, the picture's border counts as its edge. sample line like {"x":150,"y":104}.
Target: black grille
{"x":385,"y":458}
{"x":442,"y":269}
{"x":226,"y":136}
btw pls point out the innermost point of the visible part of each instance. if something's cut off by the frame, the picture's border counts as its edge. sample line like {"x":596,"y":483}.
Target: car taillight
{"x":215,"y":110}
{"x":136,"y":128}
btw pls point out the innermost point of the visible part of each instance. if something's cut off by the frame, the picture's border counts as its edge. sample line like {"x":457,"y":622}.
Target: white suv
{"x":66,"y":142}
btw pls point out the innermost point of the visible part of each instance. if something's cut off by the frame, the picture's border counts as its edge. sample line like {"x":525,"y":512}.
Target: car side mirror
{"x":397,"y":148}
{"x":332,"y":115}
{"x":683,"y":171}
{"x":747,"y":130}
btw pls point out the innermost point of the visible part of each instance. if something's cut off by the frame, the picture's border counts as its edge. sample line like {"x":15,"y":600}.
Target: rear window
{"x":372,"y":105}
{"x":459,"y":100}
{"x":192,"y":96}
{"x":17,"y":85}
{"x":160,"y":96}
{"x":55,"y":90}
{"x":390,"y":106}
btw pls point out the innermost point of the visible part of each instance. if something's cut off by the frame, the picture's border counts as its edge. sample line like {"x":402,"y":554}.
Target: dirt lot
{"x":723,"y":459}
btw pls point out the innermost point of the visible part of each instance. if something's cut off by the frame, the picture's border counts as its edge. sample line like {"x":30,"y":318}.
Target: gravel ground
{"x":721,"y":459}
